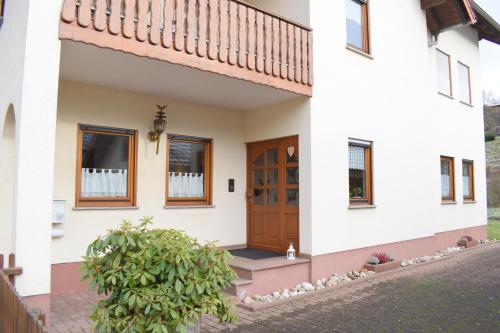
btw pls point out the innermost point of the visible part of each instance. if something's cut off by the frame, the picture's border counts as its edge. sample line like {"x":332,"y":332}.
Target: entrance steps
{"x":264,"y":276}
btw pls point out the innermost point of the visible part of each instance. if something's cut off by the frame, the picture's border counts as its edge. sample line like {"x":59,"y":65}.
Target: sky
{"x":490,"y":53}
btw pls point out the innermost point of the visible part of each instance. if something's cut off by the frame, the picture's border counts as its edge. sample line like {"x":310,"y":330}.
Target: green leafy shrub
{"x":156,"y":280}
{"x":488,"y":136}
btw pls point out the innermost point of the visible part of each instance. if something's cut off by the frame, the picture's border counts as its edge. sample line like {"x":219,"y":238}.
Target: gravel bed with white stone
{"x":336,"y":279}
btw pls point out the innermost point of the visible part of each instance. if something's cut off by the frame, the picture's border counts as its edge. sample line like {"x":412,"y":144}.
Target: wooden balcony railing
{"x":228,"y":37}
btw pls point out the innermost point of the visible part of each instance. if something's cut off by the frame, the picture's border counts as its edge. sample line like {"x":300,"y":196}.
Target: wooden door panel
{"x":272,"y":178}
{"x":273,"y":226}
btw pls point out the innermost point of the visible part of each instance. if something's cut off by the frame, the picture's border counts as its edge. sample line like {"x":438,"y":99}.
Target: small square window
{"x":447,"y":179}
{"x":357,"y":24}
{"x":106,"y":167}
{"x":360,"y":173}
{"x":188,"y":171}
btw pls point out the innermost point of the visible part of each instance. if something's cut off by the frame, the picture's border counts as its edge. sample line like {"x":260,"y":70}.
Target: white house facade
{"x":344,"y":127}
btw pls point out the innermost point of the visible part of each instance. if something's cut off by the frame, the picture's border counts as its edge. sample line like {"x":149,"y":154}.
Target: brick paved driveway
{"x":457,"y":294}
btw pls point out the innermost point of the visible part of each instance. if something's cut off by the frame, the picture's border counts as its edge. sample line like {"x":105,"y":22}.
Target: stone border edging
{"x":257,"y":306}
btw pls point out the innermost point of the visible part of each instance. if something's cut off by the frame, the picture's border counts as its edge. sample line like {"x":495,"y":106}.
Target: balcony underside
{"x":227,"y":38}
{"x":105,"y":67}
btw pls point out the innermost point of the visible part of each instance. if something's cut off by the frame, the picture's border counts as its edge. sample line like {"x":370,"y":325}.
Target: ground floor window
{"x":468,"y":179}
{"x":360,"y":172}
{"x":188,"y":170}
{"x":106,"y":164}
{"x":447,"y":179}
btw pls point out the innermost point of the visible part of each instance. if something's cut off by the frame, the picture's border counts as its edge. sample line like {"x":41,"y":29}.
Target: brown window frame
{"x":367,"y":200}
{"x":2,"y":7}
{"x":450,"y":77}
{"x":130,"y":200}
{"x":459,"y":63}
{"x":470,"y":166}
{"x":366,"y":28}
{"x":205,"y":201}
{"x":451,"y":160}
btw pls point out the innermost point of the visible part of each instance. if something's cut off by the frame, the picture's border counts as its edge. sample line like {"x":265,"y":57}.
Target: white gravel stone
{"x":307,"y":286}
{"x":248,"y":300}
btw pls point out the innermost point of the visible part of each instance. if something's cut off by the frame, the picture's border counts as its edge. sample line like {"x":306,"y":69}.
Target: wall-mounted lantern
{"x":159,"y":127}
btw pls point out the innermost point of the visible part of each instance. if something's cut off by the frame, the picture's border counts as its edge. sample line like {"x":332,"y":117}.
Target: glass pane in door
{"x":272,"y":197}
{"x":272,"y":157}
{"x":272,"y":176}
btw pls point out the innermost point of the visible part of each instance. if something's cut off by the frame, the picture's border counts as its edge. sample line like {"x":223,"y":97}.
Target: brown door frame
{"x":249,"y":186}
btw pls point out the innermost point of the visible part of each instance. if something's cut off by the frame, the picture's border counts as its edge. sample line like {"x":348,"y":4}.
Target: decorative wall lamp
{"x":159,"y":127}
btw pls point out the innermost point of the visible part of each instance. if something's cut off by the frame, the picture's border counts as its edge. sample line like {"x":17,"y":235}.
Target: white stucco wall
{"x":7,"y":175}
{"x":282,"y":120}
{"x":391,"y":100}
{"x":295,"y":10}
{"x":29,"y":58}
{"x":79,"y":103}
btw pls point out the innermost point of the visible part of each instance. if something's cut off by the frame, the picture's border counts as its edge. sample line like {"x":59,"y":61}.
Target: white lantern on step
{"x":290,"y":254}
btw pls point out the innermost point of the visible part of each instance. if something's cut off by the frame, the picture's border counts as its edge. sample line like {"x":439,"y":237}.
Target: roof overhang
{"x":443,"y":15}
{"x":488,"y":28}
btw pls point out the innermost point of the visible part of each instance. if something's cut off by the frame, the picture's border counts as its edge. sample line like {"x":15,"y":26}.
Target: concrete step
{"x":238,"y":288}
{"x":267,"y":275}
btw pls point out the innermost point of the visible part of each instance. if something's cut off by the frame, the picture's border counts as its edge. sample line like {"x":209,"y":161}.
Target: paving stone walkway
{"x":457,"y":294}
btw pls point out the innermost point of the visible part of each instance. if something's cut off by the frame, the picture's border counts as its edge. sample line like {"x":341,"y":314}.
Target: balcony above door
{"x":226,"y":37}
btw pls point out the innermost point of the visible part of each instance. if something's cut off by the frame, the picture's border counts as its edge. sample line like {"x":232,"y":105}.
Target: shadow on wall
{"x":7,"y":176}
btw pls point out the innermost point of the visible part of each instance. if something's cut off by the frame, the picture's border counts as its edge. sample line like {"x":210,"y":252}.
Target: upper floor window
{"x":2,"y":10}
{"x":188,"y":171}
{"x":444,"y":73}
{"x":468,"y":179}
{"x":360,"y":172}
{"x":464,"y":79}
{"x":357,"y":24}
{"x":447,"y":179}
{"x":106,"y":164}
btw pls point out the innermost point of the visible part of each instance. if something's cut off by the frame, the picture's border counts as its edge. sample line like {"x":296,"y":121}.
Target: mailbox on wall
{"x":58,"y":211}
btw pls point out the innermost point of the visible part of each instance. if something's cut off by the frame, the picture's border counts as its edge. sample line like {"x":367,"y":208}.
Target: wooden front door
{"x":273,"y":194}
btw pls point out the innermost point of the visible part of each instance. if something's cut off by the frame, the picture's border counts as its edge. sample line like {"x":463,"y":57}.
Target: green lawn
{"x":494,"y":230}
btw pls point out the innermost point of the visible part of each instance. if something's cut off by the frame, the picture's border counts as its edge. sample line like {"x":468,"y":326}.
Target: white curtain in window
{"x":185,"y":185}
{"x":104,"y":183}
{"x":356,"y":158}
{"x":466,"y":181}
{"x":445,"y":186}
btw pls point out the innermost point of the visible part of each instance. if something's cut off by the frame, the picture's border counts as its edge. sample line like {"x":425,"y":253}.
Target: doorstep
{"x":266,"y":275}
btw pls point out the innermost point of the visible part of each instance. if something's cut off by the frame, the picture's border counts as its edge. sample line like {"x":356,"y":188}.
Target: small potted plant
{"x":381,"y":262}
{"x":467,"y":242}
{"x":156,"y":280}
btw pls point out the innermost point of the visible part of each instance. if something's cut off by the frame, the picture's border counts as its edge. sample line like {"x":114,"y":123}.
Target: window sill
{"x":358,"y":51}
{"x":445,"y":203}
{"x":468,"y":104}
{"x":469,"y":202}
{"x":445,"y":95}
{"x":189,"y":207}
{"x":107,"y":208}
{"x":362,"y":207}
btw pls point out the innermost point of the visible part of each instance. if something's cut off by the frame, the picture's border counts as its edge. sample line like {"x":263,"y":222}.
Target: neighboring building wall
{"x":391,"y":99}
{"x":29,"y":58}
{"x":281,"y":120}
{"x":94,"y":105}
